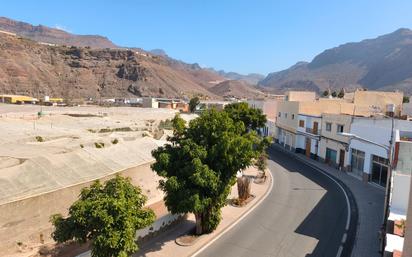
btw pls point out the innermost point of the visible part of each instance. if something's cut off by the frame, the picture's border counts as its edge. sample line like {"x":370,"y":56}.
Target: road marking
{"x":339,"y":251}
{"x":238,"y":220}
{"x":343,"y":190}
{"x":344,"y":238}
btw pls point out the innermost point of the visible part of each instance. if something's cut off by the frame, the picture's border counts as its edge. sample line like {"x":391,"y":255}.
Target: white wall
{"x":376,"y":130}
{"x":400,"y":193}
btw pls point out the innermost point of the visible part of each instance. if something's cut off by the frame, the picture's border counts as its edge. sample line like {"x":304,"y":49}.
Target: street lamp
{"x":388,"y":177}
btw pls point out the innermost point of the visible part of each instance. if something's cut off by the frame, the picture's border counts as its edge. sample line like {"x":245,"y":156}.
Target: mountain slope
{"x":27,"y":67}
{"x":383,"y":63}
{"x":235,"y":88}
{"x":53,"y":36}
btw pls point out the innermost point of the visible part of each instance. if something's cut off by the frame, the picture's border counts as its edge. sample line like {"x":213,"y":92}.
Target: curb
{"x":231,"y":225}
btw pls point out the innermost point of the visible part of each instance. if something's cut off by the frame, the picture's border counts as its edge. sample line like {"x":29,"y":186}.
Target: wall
{"x":287,"y":123}
{"x":379,"y":100}
{"x":300,"y":96}
{"x":28,"y":218}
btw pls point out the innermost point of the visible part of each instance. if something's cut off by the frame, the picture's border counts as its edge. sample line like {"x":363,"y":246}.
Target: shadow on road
{"x":326,"y":222}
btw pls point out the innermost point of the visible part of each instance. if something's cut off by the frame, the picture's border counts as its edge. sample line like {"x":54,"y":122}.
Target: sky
{"x":234,"y":35}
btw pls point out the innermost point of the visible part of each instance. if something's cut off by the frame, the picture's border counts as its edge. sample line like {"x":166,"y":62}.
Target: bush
{"x":81,"y":146}
{"x":39,"y":139}
{"x":166,"y":124}
{"x":99,"y":145}
{"x":115,"y":141}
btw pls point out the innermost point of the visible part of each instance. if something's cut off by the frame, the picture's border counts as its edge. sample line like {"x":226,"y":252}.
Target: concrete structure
{"x":18,"y":99}
{"x":375,"y":158}
{"x":378,"y":101}
{"x":333,"y":147}
{"x":41,"y":177}
{"x":300,"y":96}
{"x":212,"y":104}
{"x":308,"y":135}
{"x":150,"y":102}
{"x":400,"y":208}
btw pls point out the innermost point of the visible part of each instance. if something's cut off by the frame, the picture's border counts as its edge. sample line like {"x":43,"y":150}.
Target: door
{"x":307,"y":152}
{"x":342,"y":158}
{"x":315,"y":128}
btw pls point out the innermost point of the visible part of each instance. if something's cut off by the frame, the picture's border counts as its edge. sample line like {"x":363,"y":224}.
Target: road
{"x":305,"y":214}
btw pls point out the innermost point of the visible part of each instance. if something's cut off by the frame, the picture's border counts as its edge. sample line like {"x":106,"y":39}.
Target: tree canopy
{"x":193,"y":103}
{"x":108,"y":215}
{"x":201,"y":163}
{"x":252,"y":118}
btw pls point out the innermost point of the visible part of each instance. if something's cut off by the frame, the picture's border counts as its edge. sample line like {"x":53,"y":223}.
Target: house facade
{"x":333,"y":147}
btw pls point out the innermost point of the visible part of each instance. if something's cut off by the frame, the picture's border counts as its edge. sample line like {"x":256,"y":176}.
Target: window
{"x":330,"y":156}
{"x":357,"y":162}
{"x":293,"y":116}
{"x":339,"y":128}
{"x":301,"y":123}
{"x":279,"y":114}
{"x":328,"y":126}
{"x":286,"y":115}
{"x":379,"y":170}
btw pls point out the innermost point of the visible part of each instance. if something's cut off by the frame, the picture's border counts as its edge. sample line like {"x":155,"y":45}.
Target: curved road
{"x":305,"y":214}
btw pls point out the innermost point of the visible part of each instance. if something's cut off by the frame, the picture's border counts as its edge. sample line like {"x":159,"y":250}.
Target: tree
{"x":252,"y":118}
{"x":334,"y":94}
{"x":193,"y":103}
{"x":108,"y":215}
{"x":261,"y":163}
{"x":200,"y":165}
{"x":341,"y":93}
{"x":405,"y":99}
{"x":325,"y":93}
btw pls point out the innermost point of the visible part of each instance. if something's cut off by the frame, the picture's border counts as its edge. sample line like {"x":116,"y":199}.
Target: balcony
{"x":312,"y":131}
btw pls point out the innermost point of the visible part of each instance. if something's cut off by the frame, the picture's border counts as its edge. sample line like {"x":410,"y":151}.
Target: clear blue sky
{"x":234,"y":35}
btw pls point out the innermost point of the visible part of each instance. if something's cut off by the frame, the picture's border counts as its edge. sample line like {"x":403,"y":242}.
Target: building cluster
{"x":366,"y":134}
{"x":22,"y":99}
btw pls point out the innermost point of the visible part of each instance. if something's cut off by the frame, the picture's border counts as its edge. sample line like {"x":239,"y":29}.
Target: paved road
{"x":305,"y":214}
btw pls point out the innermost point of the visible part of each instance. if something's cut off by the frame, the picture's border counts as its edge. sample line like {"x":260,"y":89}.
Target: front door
{"x":342,"y":159}
{"x":315,"y":128}
{"x":308,"y":147}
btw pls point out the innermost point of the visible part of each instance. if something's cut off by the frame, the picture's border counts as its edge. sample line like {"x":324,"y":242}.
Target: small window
{"x":293,"y":116}
{"x":339,"y":128}
{"x":328,"y":126}
{"x":286,"y":115}
{"x":301,"y":123}
{"x":279,"y":114}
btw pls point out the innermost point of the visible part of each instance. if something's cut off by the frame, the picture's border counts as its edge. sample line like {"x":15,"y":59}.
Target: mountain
{"x":45,"y":34}
{"x":251,"y":78}
{"x":236,"y":88}
{"x":38,"y":61}
{"x":383,"y":63}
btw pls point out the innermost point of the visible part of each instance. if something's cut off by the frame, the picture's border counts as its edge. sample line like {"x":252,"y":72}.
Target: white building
{"x":369,"y":159}
{"x":308,"y":135}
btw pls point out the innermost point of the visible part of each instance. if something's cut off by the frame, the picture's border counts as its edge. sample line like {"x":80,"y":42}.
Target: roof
{"x":54,"y":171}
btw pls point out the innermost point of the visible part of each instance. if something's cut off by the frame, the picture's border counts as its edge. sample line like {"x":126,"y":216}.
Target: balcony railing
{"x":312,"y":131}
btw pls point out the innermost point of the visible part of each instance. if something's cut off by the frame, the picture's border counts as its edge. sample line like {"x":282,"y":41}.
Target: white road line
{"x":238,"y":220}
{"x":344,"y":238}
{"x":346,"y":196}
{"x":339,"y":251}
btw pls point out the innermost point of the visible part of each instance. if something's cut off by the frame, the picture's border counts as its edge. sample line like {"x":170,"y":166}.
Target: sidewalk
{"x":369,"y":199}
{"x":164,"y":244}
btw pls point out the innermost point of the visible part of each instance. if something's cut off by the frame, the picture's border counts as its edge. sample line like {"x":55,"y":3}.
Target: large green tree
{"x":193,"y":103}
{"x":108,"y":215}
{"x":200,"y":165}
{"x":252,"y":118}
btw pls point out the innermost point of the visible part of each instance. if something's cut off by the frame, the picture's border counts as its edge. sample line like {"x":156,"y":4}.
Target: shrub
{"x":99,"y":145}
{"x":39,"y":139}
{"x":115,"y":141}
